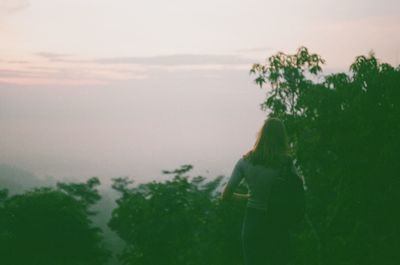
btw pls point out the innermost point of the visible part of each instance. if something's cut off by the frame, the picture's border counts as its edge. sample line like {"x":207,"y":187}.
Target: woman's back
{"x":259,"y":180}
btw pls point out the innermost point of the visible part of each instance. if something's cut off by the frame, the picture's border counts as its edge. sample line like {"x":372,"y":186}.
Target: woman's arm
{"x":234,"y":180}
{"x":228,"y":194}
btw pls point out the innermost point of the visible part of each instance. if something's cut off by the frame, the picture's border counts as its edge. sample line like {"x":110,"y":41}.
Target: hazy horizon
{"x":103,"y":131}
{"x":132,"y":88}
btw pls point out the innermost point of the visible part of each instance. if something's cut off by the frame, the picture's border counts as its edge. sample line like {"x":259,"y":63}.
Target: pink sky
{"x":133,"y":87}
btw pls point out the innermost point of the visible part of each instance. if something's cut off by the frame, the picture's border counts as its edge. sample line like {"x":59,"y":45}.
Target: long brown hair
{"x":271,"y":147}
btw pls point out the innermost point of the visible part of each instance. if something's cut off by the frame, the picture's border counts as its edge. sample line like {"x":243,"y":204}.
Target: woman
{"x":264,"y":240}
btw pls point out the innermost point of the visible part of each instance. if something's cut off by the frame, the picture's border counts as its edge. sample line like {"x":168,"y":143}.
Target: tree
{"x":52,"y":226}
{"x":344,"y":132}
{"x":179,"y":221}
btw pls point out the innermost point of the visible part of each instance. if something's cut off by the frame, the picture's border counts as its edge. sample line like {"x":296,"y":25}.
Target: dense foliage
{"x":179,"y":221}
{"x":51,"y":226}
{"x":344,"y":131}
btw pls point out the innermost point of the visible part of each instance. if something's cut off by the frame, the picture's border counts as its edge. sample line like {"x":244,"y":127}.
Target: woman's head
{"x":271,"y":145}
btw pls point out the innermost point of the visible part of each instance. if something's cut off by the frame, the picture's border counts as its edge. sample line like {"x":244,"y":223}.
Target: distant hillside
{"x":17,"y":180}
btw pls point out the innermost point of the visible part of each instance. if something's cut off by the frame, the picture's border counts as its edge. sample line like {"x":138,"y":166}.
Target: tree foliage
{"x":344,"y":129}
{"x":52,"y":226}
{"x":179,"y":221}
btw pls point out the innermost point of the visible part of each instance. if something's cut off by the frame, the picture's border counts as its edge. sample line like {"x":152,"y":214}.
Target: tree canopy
{"x":179,"y":221}
{"x":51,"y":225}
{"x":344,"y":130}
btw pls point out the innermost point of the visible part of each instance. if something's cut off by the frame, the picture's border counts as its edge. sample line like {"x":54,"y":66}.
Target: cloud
{"x":178,"y":60}
{"x":61,"y":68}
{"x":12,"y":6}
{"x":256,"y":49}
{"x":64,"y":73}
{"x":14,"y":73}
{"x":175,"y":60}
{"x":54,"y":57}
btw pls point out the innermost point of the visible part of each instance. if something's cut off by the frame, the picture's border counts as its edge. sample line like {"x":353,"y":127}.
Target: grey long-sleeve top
{"x":259,"y":179}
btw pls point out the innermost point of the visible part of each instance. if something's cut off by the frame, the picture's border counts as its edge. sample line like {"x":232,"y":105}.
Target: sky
{"x":126,"y":87}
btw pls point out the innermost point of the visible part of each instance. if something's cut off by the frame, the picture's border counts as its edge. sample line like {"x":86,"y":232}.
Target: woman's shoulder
{"x":242,"y":163}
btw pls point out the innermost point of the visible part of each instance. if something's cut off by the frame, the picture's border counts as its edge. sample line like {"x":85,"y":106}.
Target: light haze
{"x":112,"y":88}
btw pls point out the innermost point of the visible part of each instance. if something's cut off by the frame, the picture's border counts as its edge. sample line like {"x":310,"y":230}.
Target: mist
{"x":132,"y":127}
